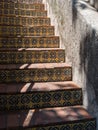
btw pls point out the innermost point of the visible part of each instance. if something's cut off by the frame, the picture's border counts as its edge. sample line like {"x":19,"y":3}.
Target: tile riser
{"x":33,"y":13}
{"x":26,"y":31}
{"x":36,"y":75}
{"x":74,"y":125}
{"x":43,"y":99}
{"x":23,"y":57}
{"x":19,"y":21}
{"x":12,"y":5}
{"x":36,"y":42}
{"x":22,"y":1}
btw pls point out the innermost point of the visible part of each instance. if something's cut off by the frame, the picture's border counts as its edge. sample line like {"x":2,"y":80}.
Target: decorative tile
{"x":25,"y":75}
{"x":40,"y":99}
{"x":12,"y":100}
{"x":26,"y":31}
{"x":48,"y":42}
{"x":18,"y":12}
{"x":14,"y":5}
{"x":80,"y":125}
{"x":37,"y":56}
{"x":20,"y":101}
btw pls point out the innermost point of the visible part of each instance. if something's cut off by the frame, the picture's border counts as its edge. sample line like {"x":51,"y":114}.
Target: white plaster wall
{"x":77,"y":25}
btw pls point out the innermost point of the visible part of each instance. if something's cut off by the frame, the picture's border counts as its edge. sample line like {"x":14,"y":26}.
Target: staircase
{"x":36,"y":87}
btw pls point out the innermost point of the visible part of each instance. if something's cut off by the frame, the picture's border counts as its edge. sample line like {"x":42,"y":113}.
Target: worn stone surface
{"x":77,"y":25}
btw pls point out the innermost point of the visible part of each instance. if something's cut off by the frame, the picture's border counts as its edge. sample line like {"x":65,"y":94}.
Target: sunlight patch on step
{"x":25,"y":87}
{"x":23,"y":66}
{"x":28,"y":118}
{"x":21,"y":49}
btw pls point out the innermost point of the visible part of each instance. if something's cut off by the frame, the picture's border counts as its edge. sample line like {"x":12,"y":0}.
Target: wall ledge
{"x":89,"y":13}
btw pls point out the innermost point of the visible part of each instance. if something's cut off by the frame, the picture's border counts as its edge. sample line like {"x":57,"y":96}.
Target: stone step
{"x":9,"y":31}
{"x":22,"y":1}
{"x":46,"y":72}
{"x":62,"y":118}
{"x":39,"y":95}
{"x":13,"y":5}
{"x":23,"y":13}
{"x":32,"y":55}
{"x":29,"y":42}
{"x":25,"y":21}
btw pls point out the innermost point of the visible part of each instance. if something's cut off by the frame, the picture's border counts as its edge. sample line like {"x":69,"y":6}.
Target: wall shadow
{"x":74,"y":11}
{"x":89,"y":63}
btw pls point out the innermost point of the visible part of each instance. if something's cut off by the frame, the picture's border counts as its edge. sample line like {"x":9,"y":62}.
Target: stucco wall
{"x":77,"y":25}
{"x":25,"y":1}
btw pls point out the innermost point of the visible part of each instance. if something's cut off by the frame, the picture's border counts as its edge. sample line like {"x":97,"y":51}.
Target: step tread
{"x":17,"y":2}
{"x":52,"y":36}
{"x":21,"y":16}
{"x":29,"y":49}
{"x":29,"y":9}
{"x":24,"y":16}
{"x":34,"y":66}
{"x":21,"y":3}
{"x":25,"y":26}
{"x":12,"y":88}
{"x":34,"y":1}
{"x":32,"y":17}
{"x":20,"y":10}
{"x":43,"y":117}
{"x":35,"y":72}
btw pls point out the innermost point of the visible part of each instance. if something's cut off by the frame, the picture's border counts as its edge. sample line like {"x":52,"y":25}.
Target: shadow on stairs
{"x":36,"y":87}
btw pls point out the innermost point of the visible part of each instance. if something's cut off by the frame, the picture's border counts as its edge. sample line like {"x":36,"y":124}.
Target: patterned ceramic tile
{"x":26,"y":31}
{"x":48,"y":42}
{"x":24,"y":21}
{"x":17,"y":12}
{"x":80,"y":125}
{"x":22,"y":1}
{"x":25,"y":6}
{"x":41,"y":99}
{"x":36,"y":75}
{"x":44,"y":56}
{"x":37,"y":99}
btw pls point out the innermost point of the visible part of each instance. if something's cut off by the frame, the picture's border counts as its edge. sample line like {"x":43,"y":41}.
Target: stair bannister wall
{"x":93,"y":3}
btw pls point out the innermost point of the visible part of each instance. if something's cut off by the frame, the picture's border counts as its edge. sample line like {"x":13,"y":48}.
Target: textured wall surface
{"x":77,"y":25}
{"x":25,"y":1}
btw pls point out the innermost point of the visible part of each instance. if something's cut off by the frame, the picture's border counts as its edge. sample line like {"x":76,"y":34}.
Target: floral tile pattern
{"x":26,"y":31}
{"x":29,"y":42}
